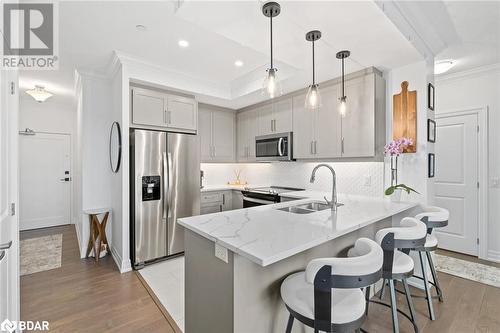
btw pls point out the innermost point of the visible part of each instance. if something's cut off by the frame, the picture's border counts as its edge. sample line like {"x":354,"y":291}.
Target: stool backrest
{"x":410,"y":234}
{"x":434,"y":217}
{"x":361,"y":269}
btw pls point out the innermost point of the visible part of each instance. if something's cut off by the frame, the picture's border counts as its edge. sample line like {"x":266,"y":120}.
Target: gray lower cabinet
{"x":215,"y":202}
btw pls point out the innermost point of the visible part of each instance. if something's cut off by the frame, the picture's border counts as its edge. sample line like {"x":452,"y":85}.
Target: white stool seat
{"x":431,"y":241}
{"x":347,"y":304}
{"x":434,"y":214}
{"x":402,"y":263}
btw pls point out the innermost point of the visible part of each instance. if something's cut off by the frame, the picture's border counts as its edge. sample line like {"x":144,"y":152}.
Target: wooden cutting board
{"x":404,"y":116}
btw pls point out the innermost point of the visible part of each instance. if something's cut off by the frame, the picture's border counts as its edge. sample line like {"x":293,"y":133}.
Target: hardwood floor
{"x":82,"y":296}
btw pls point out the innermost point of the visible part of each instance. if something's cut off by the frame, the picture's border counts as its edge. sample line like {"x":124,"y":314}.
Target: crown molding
{"x":486,"y":69}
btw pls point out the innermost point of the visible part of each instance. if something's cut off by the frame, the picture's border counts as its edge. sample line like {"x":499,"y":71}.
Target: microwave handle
{"x":280,"y":146}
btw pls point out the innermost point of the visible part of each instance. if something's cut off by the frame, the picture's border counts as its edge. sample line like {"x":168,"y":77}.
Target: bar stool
{"x":327,"y":295}
{"x":433,"y":217}
{"x":398,"y":265}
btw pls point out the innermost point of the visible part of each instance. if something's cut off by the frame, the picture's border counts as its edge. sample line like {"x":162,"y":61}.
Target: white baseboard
{"x":123,"y":265}
{"x":494,"y":256}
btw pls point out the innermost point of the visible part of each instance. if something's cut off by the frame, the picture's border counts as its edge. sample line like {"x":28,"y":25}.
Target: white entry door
{"x":456,"y":183}
{"x":44,"y":180}
{"x":9,"y":234}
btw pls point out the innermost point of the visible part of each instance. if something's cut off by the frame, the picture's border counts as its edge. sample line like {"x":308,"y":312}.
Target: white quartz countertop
{"x":266,"y":235}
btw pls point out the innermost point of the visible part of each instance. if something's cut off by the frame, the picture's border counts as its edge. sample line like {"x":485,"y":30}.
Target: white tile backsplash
{"x":363,"y":178}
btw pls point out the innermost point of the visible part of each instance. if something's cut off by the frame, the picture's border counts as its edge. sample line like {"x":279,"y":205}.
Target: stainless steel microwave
{"x":274,"y":147}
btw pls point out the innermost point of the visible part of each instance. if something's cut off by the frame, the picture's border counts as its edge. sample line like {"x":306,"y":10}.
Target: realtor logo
{"x":7,"y":326}
{"x":30,"y":35}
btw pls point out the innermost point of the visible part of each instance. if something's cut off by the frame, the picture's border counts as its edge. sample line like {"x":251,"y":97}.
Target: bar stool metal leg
{"x":435,"y":277}
{"x":290,"y":324}
{"x":382,"y":291}
{"x":367,"y":299}
{"x":410,"y":305}
{"x":394,"y":307}
{"x":423,"y":264}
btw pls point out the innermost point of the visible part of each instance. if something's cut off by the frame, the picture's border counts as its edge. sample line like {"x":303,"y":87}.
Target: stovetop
{"x":273,"y":189}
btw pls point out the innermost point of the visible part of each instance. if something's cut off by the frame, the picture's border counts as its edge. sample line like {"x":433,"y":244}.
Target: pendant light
{"x":271,"y":85}
{"x":343,"y":99}
{"x":313,"y":97}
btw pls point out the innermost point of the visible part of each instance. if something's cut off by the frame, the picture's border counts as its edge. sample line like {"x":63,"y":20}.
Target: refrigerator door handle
{"x":165,"y":186}
{"x":169,"y":182}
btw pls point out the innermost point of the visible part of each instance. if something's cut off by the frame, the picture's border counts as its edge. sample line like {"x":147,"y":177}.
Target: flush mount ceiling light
{"x":183,"y":43}
{"x":313,"y":98}
{"x":39,"y":94}
{"x":343,"y":99}
{"x":271,"y":85}
{"x":443,"y":66}
{"x":140,"y":27}
{"x":238,"y":63}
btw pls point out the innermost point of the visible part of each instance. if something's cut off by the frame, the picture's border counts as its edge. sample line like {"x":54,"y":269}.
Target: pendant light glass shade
{"x":272,"y":86}
{"x":343,"y":106}
{"x":313,"y":98}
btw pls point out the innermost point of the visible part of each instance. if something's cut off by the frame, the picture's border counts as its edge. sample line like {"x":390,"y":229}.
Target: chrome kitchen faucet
{"x":333,"y":202}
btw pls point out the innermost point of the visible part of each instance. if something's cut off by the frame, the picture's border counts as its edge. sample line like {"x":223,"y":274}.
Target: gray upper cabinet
{"x":218,"y":135}
{"x":246,"y":130}
{"x":158,"y":110}
{"x":324,"y":134}
{"x":275,"y":117}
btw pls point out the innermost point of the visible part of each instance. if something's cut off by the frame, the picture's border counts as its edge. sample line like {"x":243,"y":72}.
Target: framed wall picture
{"x":430,"y":96}
{"x":431,"y":130}
{"x":432,"y":165}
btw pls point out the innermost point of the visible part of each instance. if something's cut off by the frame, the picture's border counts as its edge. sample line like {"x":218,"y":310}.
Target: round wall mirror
{"x":115,"y":147}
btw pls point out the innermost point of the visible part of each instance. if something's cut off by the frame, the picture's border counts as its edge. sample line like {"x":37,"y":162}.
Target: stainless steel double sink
{"x":307,"y":208}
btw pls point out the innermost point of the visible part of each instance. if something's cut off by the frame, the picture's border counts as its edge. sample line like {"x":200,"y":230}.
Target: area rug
{"x":468,"y":270}
{"x":41,"y":254}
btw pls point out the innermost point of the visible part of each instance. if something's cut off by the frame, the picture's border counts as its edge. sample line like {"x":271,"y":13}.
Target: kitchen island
{"x":238,"y":291}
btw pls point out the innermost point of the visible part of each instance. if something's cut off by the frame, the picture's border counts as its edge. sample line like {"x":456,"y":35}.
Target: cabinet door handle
{"x":315,"y":151}
{"x":223,"y":199}
{"x":342,"y":145}
{"x":215,"y":151}
{"x":6,"y":246}
{"x":220,"y":208}
{"x":311,"y":148}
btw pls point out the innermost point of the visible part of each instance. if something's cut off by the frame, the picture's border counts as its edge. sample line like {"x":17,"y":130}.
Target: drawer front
{"x":214,"y":197}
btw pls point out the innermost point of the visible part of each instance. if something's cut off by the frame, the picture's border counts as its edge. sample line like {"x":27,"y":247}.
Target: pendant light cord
{"x":343,"y":93}
{"x":314,"y":78}
{"x":271,"y":17}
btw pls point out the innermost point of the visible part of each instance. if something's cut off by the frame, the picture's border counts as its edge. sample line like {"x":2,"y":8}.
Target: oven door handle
{"x":259,"y":201}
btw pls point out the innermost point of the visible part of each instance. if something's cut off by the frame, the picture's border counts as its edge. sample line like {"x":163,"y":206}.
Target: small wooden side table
{"x":97,"y":235}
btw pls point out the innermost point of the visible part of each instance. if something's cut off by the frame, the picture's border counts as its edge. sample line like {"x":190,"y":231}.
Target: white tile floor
{"x":166,"y":279}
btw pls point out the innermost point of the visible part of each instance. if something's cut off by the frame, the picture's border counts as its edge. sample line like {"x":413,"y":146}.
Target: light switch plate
{"x":367,"y":181}
{"x":221,"y":253}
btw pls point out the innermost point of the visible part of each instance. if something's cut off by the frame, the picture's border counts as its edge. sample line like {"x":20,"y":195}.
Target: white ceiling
{"x":477,"y":26}
{"x":220,"y":32}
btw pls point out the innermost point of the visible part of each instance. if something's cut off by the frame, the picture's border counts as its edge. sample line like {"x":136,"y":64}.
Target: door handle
{"x":67,"y":179}
{"x":6,"y":246}
{"x":165,"y":185}
{"x":280,"y":146}
{"x":342,"y":145}
{"x":2,"y":254}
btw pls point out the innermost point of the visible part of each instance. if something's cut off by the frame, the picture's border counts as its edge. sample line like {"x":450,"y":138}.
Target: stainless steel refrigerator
{"x":165,"y":186}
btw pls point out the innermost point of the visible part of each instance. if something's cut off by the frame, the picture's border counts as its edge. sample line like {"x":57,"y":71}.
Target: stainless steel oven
{"x":274,"y":147}
{"x":264,"y":195}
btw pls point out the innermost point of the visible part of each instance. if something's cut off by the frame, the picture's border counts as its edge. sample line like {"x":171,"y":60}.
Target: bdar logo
{"x":7,"y":326}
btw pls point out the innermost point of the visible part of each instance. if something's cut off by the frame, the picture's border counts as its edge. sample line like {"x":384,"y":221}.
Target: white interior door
{"x":456,"y":181}
{"x":45,"y":190}
{"x":9,"y":233}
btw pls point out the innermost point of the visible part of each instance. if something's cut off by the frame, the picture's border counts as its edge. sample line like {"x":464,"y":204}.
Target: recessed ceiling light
{"x":140,"y":27}
{"x":443,"y":66}
{"x":238,"y":63}
{"x":183,"y":43}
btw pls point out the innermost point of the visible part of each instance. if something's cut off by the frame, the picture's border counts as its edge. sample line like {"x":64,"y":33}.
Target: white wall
{"x":412,"y":167}
{"x":470,"y":90}
{"x":55,"y":115}
{"x":351,"y":176}
{"x":94,"y":121}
